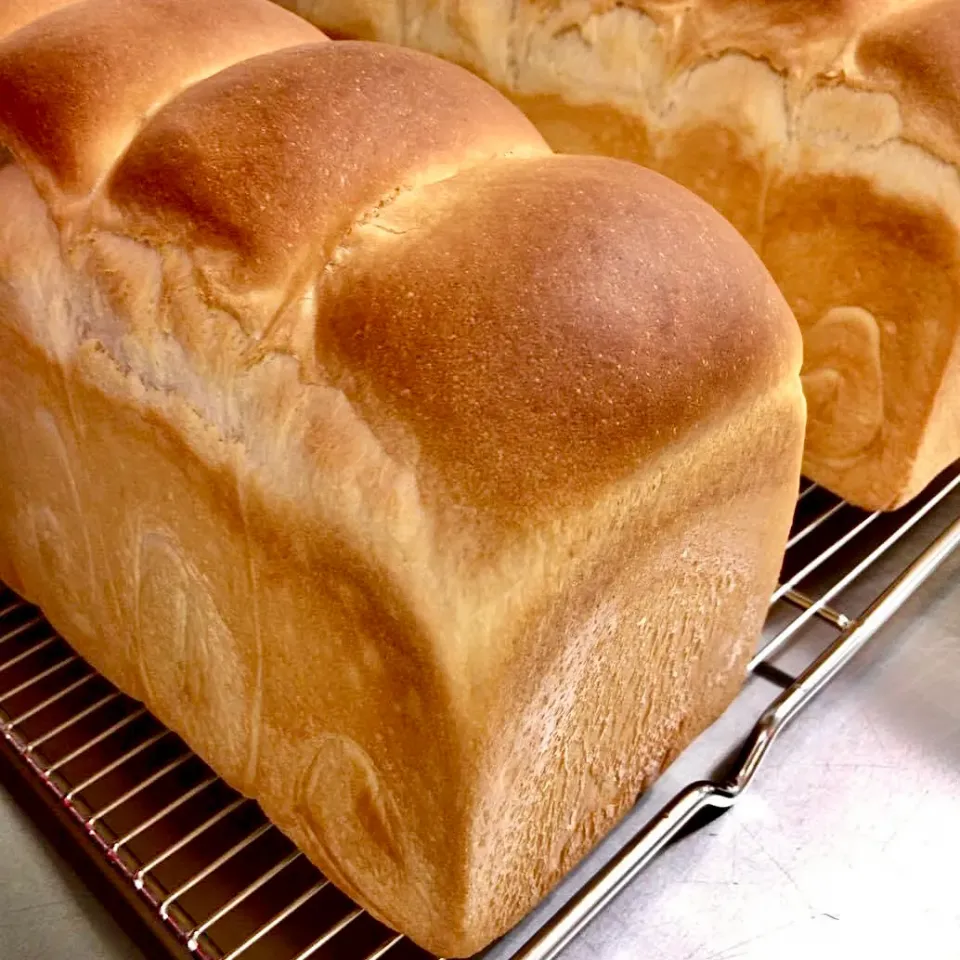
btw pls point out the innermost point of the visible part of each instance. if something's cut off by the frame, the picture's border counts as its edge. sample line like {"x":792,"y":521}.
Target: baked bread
{"x":431,"y":486}
{"x":828,"y":133}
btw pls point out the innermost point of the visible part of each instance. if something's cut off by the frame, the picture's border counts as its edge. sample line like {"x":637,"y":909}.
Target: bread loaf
{"x":828,"y":133}
{"x":431,"y":486}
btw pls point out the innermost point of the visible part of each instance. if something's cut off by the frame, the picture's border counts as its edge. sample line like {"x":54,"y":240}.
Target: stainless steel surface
{"x":46,"y":911}
{"x":233,"y":887}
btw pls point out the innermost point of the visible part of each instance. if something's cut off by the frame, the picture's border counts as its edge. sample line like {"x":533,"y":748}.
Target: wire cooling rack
{"x":215,"y":880}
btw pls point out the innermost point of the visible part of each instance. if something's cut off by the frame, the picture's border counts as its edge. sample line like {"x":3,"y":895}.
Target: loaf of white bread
{"x":430,"y":485}
{"x":827,"y":132}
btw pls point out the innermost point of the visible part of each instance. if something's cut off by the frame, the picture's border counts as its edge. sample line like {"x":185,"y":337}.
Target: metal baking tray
{"x":195,"y":870}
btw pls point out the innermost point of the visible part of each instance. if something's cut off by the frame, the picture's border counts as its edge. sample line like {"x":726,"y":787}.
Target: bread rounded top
{"x":275,"y":158}
{"x":77,"y":84}
{"x":543,"y":324}
{"x":518,"y":327}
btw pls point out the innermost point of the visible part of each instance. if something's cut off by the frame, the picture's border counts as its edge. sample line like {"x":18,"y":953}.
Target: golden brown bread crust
{"x":18,"y":13}
{"x":203,"y":174}
{"x":75,"y":122}
{"x":568,"y":414}
{"x":825,"y":131}
{"x":915,"y":56}
{"x":431,"y":486}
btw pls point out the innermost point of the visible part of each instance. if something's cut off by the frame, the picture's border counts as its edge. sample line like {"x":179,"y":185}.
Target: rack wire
{"x":229,"y":885}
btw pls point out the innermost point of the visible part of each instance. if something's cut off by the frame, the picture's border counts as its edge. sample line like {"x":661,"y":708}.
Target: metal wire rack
{"x":229,"y":885}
